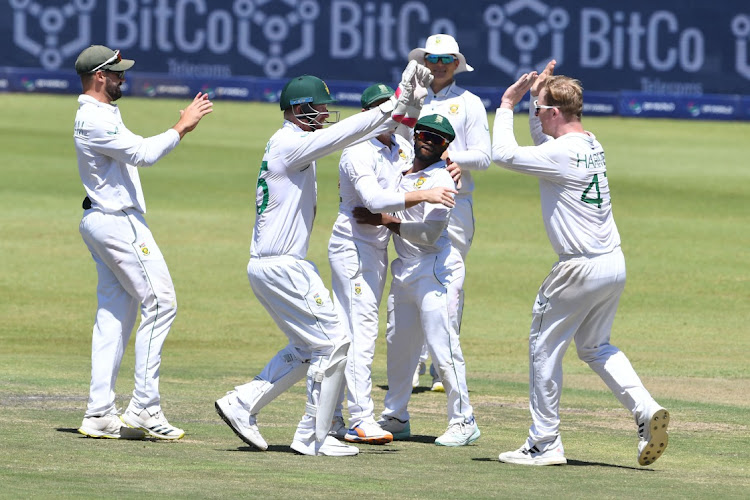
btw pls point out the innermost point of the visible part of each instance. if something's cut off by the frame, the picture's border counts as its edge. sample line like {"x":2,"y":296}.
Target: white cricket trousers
{"x":577,"y":302}
{"x":425,"y":310}
{"x":132,"y":272}
{"x":293,"y":293}
{"x":461,"y":228}
{"x":358,"y":272}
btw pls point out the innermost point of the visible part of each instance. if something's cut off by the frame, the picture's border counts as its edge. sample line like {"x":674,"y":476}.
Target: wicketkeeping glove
{"x":422,"y":79}
{"x":404,"y":93}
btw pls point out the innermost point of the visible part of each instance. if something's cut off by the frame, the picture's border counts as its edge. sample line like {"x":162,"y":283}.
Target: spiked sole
{"x":659,"y":438}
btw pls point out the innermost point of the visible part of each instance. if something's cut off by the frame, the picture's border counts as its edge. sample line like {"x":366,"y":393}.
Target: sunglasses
{"x":538,"y":106}
{"x":114,"y":59}
{"x":443,"y":58}
{"x":426,"y":136}
{"x":118,"y":74}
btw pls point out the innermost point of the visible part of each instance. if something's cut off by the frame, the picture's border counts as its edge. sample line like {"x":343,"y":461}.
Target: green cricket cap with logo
{"x":375,"y":93}
{"x":101,"y":58}
{"x":305,"y":89}
{"x":436,"y":123}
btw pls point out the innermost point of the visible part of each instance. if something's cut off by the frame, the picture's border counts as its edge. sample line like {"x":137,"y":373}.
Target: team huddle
{"x":405,"y":173}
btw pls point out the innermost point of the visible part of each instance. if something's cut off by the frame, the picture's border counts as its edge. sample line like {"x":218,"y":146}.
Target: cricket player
{"x":578,"y":300}
{"x":287,"y":285}
{"x":131,"y":269}
{"x":368,"y":176}
{"x":470,"y":149}
{"x":427,"y":279}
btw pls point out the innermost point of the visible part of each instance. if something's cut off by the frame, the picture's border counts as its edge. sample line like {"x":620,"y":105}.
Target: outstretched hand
{"x":192,"y":114}
{"x":515,"y":92}
{"x":549,"y":70}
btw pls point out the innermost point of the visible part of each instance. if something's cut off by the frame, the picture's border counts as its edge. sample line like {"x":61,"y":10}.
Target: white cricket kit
{"x":288,"y":286}
{"x":579,"y":298}
{"x":471,"y":149}
{"x":427,"y":280}
{"x":369,"y":173}
{"x":131,"y":269}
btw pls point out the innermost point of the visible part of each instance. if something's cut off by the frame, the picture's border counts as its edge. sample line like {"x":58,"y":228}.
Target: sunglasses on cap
{"x":538,"y":106}
{"x":427,"y":136}
{"x":443,"y":58}
{"x":114,"y":59}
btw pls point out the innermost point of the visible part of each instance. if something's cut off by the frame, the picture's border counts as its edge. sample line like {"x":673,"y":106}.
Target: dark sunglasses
{"x":443,"y":58}
{"x":118,"y":74}
{"x":427,"y":136}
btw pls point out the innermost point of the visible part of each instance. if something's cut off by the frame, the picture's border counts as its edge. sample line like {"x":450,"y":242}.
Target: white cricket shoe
{"x":330,"y":447}
{"x":155,"y":425}
{"x":108,"y":426}
{"x":437,"y":383}
{"x":240,"y":421}
{"x":400,"y":429}
{"x":368,"y":432}
{"x":421,"y":370}
{"x":338,"y":427}
{"x":460,"y":434}
{"x":653,"y":434}
{"x":552,"y":455}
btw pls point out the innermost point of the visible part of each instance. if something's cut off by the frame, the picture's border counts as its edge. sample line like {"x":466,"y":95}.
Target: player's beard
{"x":113,"y":90}
{"x":428,"y":158}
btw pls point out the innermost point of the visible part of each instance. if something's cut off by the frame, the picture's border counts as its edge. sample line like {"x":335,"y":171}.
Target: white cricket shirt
{"x":572,"y":172}
{"x":433,"y":176}
{"x":369,"y":173}
{"x":472,"y":146}
{"x":109,"y":154}
{"x":286,"y":192}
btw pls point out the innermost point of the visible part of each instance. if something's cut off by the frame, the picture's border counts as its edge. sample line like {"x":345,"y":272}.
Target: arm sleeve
{"x":365,"y":182}
{"x":478,"y":142}
{"x":548,"y":160}
{"x":426,"y":233}
{"x":356,"y":128}
{"x":119,"y":143}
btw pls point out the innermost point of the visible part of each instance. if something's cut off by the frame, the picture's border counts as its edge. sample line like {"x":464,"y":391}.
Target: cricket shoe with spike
{"x":240,"y":421}
{"x":155,"y":425}
{"x":108,"y":426}
{"x":399,"y":429}
{"x":460,"y":434}
{"x":653,"y":434}
{"x":553,"y":454}
{"x":368,"y":432}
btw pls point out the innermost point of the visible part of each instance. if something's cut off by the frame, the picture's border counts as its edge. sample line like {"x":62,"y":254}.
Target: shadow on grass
{"x":571,"y":463}
{"x":415,"y":390}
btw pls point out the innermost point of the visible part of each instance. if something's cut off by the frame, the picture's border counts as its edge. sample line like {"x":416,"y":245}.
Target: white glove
{"x":422,"y":79}
{"x":404,"y":93}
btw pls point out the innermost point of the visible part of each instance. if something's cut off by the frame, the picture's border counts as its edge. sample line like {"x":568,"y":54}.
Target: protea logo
{"x":523,"y":25}
{"x":271,"y":96}
{"x":277,"y":29}
{"x":635,"y":106}
{"x":693,"y":109}
{"x":36,"y":29}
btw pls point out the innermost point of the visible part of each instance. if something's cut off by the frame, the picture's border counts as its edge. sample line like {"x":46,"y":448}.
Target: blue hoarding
{"x":688,"y":48}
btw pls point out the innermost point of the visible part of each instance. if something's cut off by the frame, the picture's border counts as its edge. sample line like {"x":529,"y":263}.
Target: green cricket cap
{"x":436,"y":123}
{"x":305,"y":89}
{"x":375,"y":93}
{"x":99,"y":57}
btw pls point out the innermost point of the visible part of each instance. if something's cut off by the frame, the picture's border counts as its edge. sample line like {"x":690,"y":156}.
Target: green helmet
{"x":305,"y":89}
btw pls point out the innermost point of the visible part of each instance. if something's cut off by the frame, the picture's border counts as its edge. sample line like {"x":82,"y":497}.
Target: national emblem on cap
{"x":375,"y":93}
{"x":436,"y":123}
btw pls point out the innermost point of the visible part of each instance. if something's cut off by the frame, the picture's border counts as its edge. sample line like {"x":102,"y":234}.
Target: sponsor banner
{"x":663,"y":47}
{"x":710,"y":107}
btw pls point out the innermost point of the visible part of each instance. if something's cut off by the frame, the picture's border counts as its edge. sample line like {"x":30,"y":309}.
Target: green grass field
{"x":681,"y":192}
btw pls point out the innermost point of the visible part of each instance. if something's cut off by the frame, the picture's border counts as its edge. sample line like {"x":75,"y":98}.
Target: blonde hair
{"x":566,"y":93}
